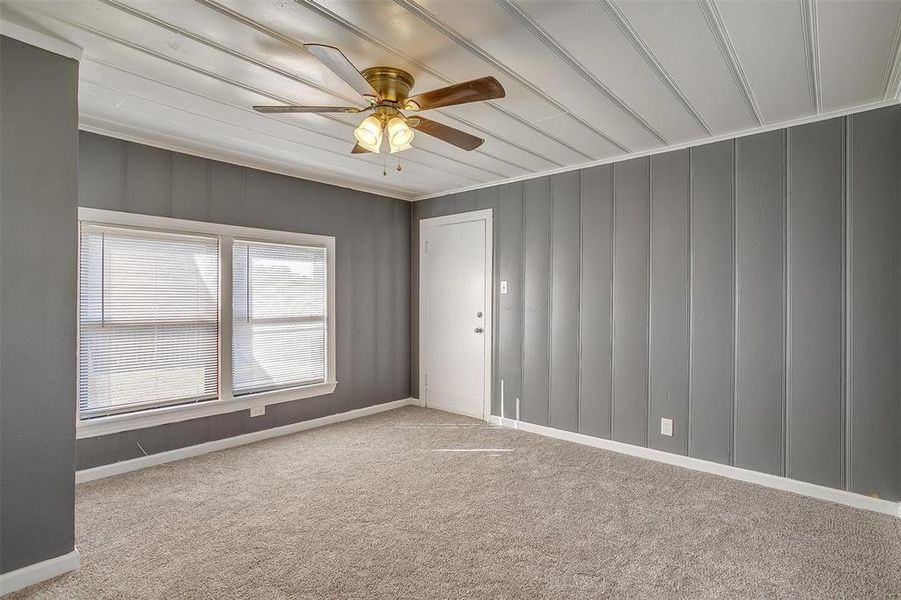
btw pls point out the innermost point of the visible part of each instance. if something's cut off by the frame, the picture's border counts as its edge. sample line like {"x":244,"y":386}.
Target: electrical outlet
{"x":257,"y":411}
{"x":666,"y":427}
{"x":504,"y":286}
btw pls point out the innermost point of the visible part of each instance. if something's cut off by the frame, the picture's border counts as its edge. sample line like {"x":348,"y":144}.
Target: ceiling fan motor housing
{"x":393,"y":85}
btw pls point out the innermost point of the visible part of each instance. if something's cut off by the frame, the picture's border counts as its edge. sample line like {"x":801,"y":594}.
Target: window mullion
{"x":225,"y":317}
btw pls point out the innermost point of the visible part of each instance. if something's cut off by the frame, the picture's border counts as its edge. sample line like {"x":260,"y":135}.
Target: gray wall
{"x":373,"y":274}
{"x":748,"y":289}
{"x":38,"y":170}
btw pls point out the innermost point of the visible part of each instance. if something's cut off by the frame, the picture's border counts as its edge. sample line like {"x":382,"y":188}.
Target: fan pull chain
{"x":384,"y":166}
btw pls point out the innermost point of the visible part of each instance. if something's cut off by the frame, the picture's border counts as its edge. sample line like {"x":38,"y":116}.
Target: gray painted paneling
{"x":630,"y":301}
{"x":712,"y":308}
{"x":565,"y":235}
{"x":401,"y":303}
{"x":760,"y":357}
{"x":372,"y":275}
{"x":101,"y":176}
{"x":509,"y":225}
{"x":874,"y":303}
{"x":342,"y":213}
{"x":364,"y":305}
{"x":668,"y":361}
{"x":385,"y":295}
{"x":227,"y":193}
{"x":190,"y":182}
{"x":38,"y":228}
{"x":536,"y":339}
{"x":722,"y":223}
{"x":596,"y":315}
{"x":261,"y":208}
{"x":816,"y":231}
{"x":147,"y":181}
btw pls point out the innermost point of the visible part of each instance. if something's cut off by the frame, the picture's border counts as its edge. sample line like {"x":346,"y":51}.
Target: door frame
{"x":425,"y":228}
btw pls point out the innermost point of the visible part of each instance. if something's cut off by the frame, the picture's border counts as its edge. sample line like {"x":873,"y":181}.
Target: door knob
{"x":479,"y":330}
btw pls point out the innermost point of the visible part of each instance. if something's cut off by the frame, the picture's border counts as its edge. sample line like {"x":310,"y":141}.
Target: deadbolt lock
{"x":479,"y":314}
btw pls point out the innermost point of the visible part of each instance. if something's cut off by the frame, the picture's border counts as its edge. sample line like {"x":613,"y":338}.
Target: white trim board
{"x":664,"y":149}
{"x":225,"y":402}
{"x":159,"y":458}
{"x":696,"y":464}
{"x":146,"y":137}
{"x":14,"y":581}
{"x":40,"y":40}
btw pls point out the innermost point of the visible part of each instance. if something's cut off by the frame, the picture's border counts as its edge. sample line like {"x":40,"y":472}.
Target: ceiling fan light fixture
{"x":399,"y":134}
{"x":369,"y":133}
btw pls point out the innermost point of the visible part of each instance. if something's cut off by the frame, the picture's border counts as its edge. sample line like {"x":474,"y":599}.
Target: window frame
{"x":225,"y":401}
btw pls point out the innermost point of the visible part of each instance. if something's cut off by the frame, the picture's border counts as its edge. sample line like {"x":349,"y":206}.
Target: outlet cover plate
{"x":257,"y":411}
{"x":666,"y":427}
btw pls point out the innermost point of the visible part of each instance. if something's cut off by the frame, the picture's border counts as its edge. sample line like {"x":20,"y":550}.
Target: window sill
{"x":182,"y":412}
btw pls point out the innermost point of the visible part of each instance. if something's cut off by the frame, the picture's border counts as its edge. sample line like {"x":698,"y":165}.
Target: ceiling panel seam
{"x":727,"y":49}
{"x":338,"y":20}
{"x":219,"y":47}
{"x":893,"y":66}
{"x":211,"y":4}
{"x":644,"y":50}
{"x":533,"y":27}
{"x":227,"y":81}
{"x":267,"y":134}
{"x":216,"y":46}
{"x":118,"y":130}
{"x":810,"y":33}
{"x":481,"y":54}
{"x":730,"y":136}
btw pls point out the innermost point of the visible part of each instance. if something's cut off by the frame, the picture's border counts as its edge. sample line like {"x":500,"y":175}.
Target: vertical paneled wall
{"x":38,"y":206}
{"x":747,"y":289}
{"x":372,"y":287}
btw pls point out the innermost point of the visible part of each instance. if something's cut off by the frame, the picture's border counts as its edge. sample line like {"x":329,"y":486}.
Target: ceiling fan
{"x":387,"y":89}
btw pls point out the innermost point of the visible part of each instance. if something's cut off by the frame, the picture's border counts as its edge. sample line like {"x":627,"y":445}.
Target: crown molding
{"x":131,"y":133}
{"x":40,"y":40}
{"x":690,"y":144}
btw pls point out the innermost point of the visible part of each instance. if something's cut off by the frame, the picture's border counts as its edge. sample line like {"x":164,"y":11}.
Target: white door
{"x":456,"y":322}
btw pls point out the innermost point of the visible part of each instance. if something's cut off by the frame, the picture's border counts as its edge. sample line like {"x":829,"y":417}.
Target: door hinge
{"x":427,"y":247}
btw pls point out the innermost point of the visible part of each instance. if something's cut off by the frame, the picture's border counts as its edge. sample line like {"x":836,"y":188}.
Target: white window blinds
{"x":279,"y":328}
{"x":148,"y":322}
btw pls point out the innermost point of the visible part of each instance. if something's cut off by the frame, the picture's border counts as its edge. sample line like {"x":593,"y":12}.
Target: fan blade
{"x":308,"y":109}
{"x":458,"y":138}
{"x":358,"y":149}
{"x":484,"y":88}
{"x":335,"y":60}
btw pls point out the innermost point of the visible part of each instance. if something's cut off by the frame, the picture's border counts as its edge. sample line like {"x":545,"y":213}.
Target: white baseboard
{"x":765,"y":479}
{"x":38,"y":572}
{"x":159,"y":458}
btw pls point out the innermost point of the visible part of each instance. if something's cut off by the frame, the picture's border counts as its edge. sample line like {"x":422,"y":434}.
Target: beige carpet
{"x":375,"y":508}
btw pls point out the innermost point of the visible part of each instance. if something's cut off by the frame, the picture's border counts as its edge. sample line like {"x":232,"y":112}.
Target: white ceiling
{"x":587,"y":81}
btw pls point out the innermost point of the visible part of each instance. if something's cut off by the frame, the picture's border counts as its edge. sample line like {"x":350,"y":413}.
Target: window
{"x":279,"y":316}
{"x":180,"y":319}
{"x":148,"y":319}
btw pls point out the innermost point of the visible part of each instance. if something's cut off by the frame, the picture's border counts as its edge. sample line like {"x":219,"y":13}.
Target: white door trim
{"x":425,"y":227}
